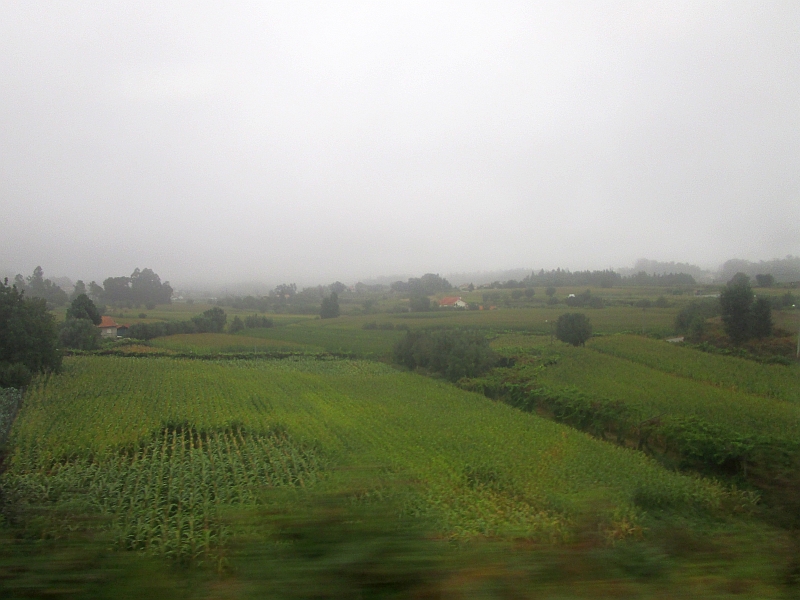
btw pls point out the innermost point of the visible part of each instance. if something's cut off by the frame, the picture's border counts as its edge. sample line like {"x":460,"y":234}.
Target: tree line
{"x":142,"y":287}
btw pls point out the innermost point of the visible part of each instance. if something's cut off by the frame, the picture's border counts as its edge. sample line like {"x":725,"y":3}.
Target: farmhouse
{"x":452,"y":302}
{"x":108,"y":327}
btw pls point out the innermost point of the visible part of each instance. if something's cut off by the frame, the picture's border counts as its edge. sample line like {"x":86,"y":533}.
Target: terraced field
{"x":736,"y":374}
{"x":159,"y":446}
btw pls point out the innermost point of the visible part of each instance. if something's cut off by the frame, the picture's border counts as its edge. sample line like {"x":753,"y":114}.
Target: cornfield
{"x":157,"y":448}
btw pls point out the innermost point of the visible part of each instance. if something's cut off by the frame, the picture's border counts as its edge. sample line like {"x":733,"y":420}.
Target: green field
{"x":736,"y":374}
{"x":343,"y":335}
{"x":211,"y":343}
{"x":159,"y":445}
{"x":652,"y":392}
{"x":193,"y":455}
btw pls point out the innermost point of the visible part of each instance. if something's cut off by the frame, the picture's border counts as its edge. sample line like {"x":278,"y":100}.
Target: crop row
{"x":165,"y":495}
{"x":650,"y":392}
{"x":737,"y":374}
{"x":478,"y":467}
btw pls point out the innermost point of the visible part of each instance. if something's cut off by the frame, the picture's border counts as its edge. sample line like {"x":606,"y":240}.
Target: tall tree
{"x":39,"y":287}
{"x":736,"y":302}
{"x":28,"y":337}
{"x":83,"y":308}
{"x":80,"y":288}
{"x":147,"y":288}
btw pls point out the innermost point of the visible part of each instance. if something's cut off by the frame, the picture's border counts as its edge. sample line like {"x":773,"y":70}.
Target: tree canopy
{"x":330,"y":306}
{"x":83,"y":308}
{"x":28,"y":337}
{"x":573,"y":328}
{"x":36,"y":286}
{"x":142,"y":287}
{"x":743,"y":315}
{"x":453,"y":353}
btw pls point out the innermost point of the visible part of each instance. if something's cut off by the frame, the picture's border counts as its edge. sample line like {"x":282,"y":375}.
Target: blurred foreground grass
{"x":350,"y":538}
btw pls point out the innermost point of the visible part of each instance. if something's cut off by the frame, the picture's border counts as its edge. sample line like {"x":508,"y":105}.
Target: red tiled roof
{"x":449,"y":300}
{"x":107,"y":322}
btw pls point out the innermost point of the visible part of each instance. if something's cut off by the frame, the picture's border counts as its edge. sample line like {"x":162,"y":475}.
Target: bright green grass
{"x":773,"y":381}
{"x":481,"y":467}
{"x":653,"y":392}
{"x":203,"y":343}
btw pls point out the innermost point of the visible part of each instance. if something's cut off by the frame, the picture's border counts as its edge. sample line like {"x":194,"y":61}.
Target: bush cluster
{"x":211,"y":321}
{"x":453,"y":353}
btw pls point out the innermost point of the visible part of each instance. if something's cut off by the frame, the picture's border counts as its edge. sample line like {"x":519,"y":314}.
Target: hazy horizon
{"x":344,"y":141}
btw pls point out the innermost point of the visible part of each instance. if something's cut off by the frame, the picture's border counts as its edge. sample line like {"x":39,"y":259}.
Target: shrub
{"x":256,"y":321}
{"x":419,"y":303}
{"x":694,"y":315}
{"x":453,"y":353}
{"x":573,"y":328}
{"x":80,"y":334}
{"x":236,"y":325}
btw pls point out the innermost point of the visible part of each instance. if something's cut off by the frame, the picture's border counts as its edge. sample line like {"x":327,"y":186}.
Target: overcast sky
{"x":340,"y":140}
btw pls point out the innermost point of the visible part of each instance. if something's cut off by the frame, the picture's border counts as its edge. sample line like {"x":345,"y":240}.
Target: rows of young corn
{"x":165,"y":495}
{"x":650,"y":392}
{"x":772,"y":381}
{"x":703,"y":411}
{"x":533,"y":478}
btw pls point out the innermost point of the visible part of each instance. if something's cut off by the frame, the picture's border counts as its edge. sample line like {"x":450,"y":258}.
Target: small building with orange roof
{"x":108,"y":327}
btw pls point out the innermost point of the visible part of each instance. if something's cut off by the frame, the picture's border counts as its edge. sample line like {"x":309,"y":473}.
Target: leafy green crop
{"x":156,"y":445}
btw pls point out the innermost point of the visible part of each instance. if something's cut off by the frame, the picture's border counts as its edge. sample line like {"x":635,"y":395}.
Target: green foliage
{"x":83,"y":308}
{"x":705,"y":423}
{"x":731,"y":373}
{"x":149,"y":442}
{"x":80,"y":288}
{"x":257,"y":321}
{"x":419,"y":303}
{"x":211,"y":321}
{"x":761,"y":318}
{"x":330,"y":307}
{"x":142,"y":287}
{"x":36,"y":286}
{"x":330,"y":545}
{"x":692,"y":317}
{"x":427,"y":285}
{"x":236,"y":325}
{"x":451,"y":352}
{"x":744,"y":317}
{"x":80,"y":334}
{"x":28,"y":338}
{"x":736,"y":302}
{"x":573,"y":328}
{"x":10,"y":401}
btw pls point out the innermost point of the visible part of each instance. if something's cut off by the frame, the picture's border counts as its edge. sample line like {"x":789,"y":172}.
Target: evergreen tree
{"x":83,"y":308}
